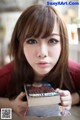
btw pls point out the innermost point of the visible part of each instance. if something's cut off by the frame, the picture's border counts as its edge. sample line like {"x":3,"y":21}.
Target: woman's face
{"x":43,"y":54}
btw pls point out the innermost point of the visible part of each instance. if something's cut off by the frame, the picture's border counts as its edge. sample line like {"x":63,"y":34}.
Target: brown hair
{"x":39,"y":20}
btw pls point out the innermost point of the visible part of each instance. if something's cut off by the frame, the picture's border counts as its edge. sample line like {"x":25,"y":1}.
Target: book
{"x":47,"y":112}
{"x":41,"y":95}
{"x":44,"y":110}
{"x":42,"y":100}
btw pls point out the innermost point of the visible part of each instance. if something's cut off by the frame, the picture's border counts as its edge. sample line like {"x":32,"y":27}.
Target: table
{"x":75,"y":115}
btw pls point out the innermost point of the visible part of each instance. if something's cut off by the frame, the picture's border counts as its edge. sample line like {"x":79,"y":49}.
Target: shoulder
{"x":5,"y":77}
{"x":74,"y":66}
{"x":6,"y":69}
{"x":74,"y":69}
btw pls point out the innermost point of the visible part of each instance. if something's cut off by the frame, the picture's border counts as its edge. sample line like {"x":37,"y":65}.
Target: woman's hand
{"x":18,"y":105}
{"x":66,"y":99}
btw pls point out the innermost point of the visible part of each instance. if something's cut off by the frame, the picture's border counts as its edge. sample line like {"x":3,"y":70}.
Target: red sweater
{"x":7,"y":70}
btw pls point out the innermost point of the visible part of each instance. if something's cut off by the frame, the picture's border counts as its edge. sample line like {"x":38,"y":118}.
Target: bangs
{"x":40,"y":23}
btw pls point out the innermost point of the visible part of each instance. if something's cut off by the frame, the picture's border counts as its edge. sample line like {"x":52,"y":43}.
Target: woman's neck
{"x":38,"y":78}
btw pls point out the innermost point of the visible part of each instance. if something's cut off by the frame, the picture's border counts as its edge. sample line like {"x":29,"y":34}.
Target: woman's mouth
{"x":43,"y":64}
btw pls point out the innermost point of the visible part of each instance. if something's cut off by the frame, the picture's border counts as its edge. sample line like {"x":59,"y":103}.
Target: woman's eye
{"x":31,"y":41}
{"x":53,"y":41}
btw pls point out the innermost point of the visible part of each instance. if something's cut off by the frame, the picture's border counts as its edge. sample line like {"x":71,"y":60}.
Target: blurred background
{"x":10,"y":11}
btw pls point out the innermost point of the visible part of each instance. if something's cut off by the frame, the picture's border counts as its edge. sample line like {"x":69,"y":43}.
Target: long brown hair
{"x":39,"y":20}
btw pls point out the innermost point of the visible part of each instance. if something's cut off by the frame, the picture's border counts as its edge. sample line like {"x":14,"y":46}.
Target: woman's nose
{"x":42,"y":51}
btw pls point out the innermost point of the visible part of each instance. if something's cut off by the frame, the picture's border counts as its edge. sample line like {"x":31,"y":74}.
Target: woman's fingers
{"x":66,"y":98}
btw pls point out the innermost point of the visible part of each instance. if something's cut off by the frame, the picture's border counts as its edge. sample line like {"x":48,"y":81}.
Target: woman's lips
{"x":43,"y":64}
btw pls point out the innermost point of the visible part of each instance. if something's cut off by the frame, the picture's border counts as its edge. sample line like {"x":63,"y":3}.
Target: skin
{"x":18,"y":105}
{"x":43,"y":54}
{"x":66,"y":98}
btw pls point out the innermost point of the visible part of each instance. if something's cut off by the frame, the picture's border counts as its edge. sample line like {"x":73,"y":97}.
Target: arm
{"x":5,"y":102}
{"x":74,"y":69}
{"x":17,"y":105}
{"x":75,"y":98}
{"x":5,"y":78}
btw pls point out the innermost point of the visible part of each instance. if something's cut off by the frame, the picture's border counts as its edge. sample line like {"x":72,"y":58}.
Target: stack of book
{"x":43,"y":101}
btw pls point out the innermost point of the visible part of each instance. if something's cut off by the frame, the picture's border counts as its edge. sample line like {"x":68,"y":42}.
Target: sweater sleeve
{"x":74,"y":68}
{"x":5,"y":78}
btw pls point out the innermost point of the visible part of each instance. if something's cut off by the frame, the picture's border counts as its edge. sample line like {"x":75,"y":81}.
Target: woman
{"x":39,"y":46}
